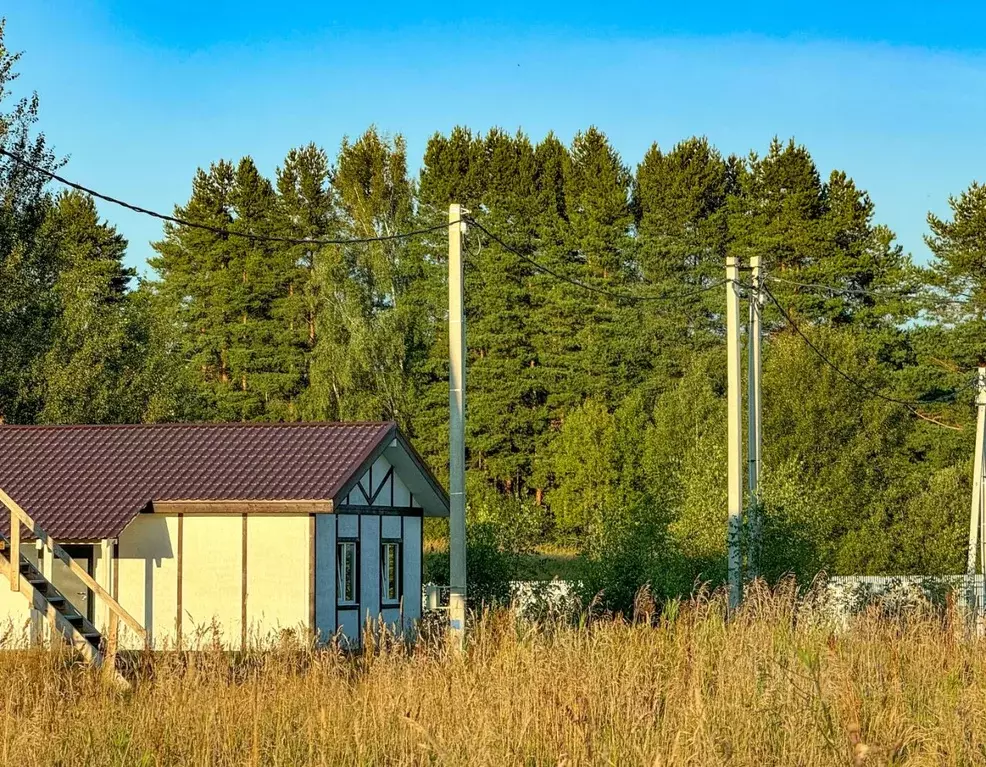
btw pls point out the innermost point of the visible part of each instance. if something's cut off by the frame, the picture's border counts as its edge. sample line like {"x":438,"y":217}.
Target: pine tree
{"x":451,"y":172}
{"x":958,"y":271}
{"x":505,"y":400}
{"x":494,"y":176}
{"x":91,"y":372}
{"x":367,"y":331}
{"x":777,"y":209}
{"x":231,"y":296}
{"x":861,"y":257}
{"x":611,"y":358}
{"x":681,"y":233}
{"x":307,"y":208}
{"x":553,"y":303}
{"x":265,"y":359}
{"x":679,"y":203}
{"x":196,"y":281}
{"x":28,"y":264}
{"x":811,"y":232}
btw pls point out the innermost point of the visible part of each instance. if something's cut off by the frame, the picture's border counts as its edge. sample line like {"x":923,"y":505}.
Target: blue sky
{"x":140,"y":94}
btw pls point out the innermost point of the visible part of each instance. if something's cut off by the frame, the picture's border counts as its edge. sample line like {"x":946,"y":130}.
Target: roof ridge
{"x":191,"y":425}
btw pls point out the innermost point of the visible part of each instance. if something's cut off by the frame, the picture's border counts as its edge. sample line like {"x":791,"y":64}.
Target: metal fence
{"x":851,"y":592}
{"x":846,"y":594}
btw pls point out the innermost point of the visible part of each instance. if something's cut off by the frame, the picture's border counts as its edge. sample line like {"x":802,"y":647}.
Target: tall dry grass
{"x":774,"y":685}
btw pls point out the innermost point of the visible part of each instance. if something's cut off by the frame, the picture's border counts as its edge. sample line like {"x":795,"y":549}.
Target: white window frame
{"x":385,"y":598}
{"x":342,"y":547}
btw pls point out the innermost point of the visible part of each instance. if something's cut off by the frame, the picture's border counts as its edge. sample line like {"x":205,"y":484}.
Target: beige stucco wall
{"x":15,"y":611}
{"x":278,"y":576}
{"x":212,"y":578}
{"x":147,"y":558}
{"x":278,"y":580}
{"x":279,"y":572}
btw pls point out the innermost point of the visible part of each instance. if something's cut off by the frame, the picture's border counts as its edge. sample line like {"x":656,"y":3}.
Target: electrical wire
{"x":873,"y":293}
{"x":621,"y":296}
{"x":253,"y":237}
{"x":909,"y":404}
{"x":218,"y":229}
{"x":437,"y":227}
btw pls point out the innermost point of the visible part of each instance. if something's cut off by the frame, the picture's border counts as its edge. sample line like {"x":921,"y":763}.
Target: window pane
{"x":351,"y":572}
{"x":340,"y":570}
{"x":390,"y":571}
{"x":346,"y":564}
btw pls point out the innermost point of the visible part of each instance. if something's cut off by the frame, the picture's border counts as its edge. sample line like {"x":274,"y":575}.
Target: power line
{"x":870,"y":292}
{"x":218,"y":229}
{"x":583,"y":285}
{"x":909,"y":404}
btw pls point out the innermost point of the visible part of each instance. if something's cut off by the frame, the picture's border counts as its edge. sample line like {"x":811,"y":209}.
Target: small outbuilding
{"x":201,"y":532}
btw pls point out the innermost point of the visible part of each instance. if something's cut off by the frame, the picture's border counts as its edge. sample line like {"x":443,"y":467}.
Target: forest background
{"x":596,"y":420}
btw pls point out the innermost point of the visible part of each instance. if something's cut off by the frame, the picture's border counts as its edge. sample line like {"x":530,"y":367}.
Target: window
{"x":390,"y":571}
{"x":347,"y":570}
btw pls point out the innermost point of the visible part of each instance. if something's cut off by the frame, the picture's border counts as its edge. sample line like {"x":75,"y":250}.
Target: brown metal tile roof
{"x":88,"y":482}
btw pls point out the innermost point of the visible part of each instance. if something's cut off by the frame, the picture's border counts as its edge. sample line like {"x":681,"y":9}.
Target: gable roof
{"x":89,"y":482}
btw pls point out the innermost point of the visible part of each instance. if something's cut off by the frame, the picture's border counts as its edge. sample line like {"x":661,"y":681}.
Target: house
{"x":236,"y":530}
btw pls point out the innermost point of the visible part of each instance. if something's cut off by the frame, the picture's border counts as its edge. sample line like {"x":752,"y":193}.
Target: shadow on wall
{"x":150,"y":543}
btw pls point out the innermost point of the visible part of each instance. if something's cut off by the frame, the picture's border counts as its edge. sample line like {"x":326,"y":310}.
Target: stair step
{"x":93,"y":638}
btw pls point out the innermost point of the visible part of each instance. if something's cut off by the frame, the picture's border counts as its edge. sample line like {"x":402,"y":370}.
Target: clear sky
{"x":139,"y":94}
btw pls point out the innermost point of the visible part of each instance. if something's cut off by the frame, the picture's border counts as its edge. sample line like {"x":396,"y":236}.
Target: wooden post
{"x":734,"y":437}
{"x":47,"y":566}
{"x":107,"y":547}
{"x":180,"y":565}
{"x":312,"y":580}
{"x":15,"y":552}
{"x":37,"y":615}
{"x":243,"y":583}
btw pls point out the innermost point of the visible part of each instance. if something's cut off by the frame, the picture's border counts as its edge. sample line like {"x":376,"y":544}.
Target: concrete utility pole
{"x":734,"y":437}
{"x":977,"y":515}
{"x":457,"y":425}
{"x":754,"y":434}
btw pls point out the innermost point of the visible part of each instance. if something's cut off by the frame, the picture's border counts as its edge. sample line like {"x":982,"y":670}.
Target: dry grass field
{"x":774,"y":685}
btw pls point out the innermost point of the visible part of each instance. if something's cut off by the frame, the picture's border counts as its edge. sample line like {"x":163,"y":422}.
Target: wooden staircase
{"x":64,"y":618}
{"x":52,"y":604}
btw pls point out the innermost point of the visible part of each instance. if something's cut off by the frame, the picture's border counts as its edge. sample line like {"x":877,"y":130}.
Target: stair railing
{"x":20,"y":517}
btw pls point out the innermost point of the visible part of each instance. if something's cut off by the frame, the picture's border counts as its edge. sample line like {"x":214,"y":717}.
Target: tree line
{"x":594,"y":419}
